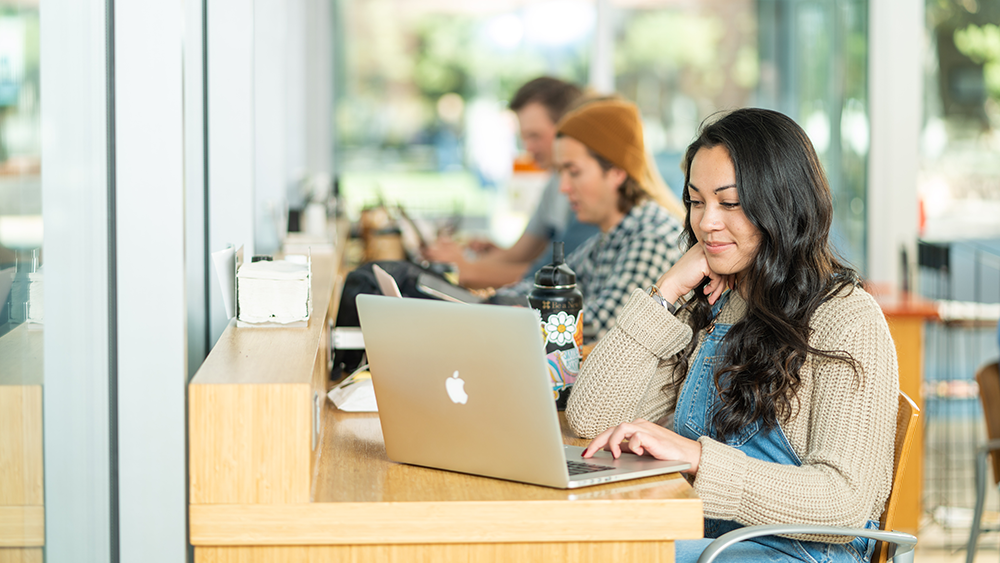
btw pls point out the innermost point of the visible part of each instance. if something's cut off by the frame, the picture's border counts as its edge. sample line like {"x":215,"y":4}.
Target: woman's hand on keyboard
{"x":642,"y":437}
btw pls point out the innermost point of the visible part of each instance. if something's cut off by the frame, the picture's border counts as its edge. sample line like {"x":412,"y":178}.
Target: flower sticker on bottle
{"x":560,"y":328}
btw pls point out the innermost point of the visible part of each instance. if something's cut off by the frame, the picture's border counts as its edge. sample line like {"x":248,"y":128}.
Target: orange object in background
{"x":524,"y":163}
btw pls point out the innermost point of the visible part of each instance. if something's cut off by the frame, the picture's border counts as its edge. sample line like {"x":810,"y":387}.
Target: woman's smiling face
{"x":717,"y":218}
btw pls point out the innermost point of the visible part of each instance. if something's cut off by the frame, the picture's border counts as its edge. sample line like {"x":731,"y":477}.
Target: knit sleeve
{"x":623,"y":377}
{"x":849,"y":429}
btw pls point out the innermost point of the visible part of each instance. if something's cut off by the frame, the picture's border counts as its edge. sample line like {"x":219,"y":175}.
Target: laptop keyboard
{"x":580,"y":467}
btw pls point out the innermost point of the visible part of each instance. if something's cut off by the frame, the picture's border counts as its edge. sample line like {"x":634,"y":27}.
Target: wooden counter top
{"x":898,"y":304}
{"x":279,"y":474}
{"x":254,"y":405}
{"x":21,"y":355}
{"x":273,"y":355}
{"x":361,"y":497}
{"x":22,"y":511}
{"x":356,"y":442}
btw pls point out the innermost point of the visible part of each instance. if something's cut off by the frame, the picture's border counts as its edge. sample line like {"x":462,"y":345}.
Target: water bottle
{"x":560,"y":306}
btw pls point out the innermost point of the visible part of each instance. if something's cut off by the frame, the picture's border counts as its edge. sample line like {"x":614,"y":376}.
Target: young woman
{"x":601,"y":161}
{"x":760,"y":358}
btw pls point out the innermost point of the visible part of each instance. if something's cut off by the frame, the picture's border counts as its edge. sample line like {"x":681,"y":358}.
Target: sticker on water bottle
{"x":562,"y":333}
{"x":564,"y":366}
{"x":560,"y":329}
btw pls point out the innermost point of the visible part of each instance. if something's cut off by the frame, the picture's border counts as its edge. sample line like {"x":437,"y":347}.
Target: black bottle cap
{"x":556,"y":275}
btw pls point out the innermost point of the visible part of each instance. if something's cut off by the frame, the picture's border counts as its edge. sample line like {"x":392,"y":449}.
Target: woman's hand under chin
{"x":642,"y":437}
{"x":688,"y":273}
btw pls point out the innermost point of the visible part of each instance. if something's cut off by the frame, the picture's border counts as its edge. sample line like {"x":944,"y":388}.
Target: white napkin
{"x":355,"y":394}
{"x":274,"y":292}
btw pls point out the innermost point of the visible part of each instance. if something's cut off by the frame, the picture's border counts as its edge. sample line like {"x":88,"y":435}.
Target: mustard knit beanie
{"x":612,"y":129}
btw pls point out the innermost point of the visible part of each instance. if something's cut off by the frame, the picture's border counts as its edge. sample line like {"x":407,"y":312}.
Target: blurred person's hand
{"x":481,"y":246}
{"x":444,"y":249}
{"x":484,"y":293}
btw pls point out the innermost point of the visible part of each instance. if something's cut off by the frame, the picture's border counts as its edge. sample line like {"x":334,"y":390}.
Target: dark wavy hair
{"x":784,"y":193}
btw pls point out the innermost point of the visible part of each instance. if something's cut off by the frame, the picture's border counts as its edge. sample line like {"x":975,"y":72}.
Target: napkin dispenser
{"x":274,"y":293}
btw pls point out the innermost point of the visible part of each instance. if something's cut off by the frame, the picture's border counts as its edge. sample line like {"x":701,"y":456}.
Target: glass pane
{"x":54,"y":394}
{"x":681,"y":62}
{"x":960,"y":144}
{"x":21,"y":282}
{"x":421,"y":114}
{"x":814,"y":67}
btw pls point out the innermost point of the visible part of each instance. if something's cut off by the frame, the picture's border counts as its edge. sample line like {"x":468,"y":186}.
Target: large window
{"x":960,"y":144}
{"x":56,"y":415}
{"x":422,"y":87}
{"x":22,"y":267}
{"x":20,"y":170}
{"x":420,"y":113}
{"x":814,"y":67}
{"x":681,"y":62}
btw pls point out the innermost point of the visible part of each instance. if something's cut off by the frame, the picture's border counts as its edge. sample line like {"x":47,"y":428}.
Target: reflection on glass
{"x":959,"y":183}
{"x":21,"y":284}
{"x":681,"y":62}
{"x":814,"y":67}
{"x":420,"y":111}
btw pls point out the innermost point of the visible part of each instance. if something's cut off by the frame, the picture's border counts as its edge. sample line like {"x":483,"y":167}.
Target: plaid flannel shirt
{"x":609,"y":266}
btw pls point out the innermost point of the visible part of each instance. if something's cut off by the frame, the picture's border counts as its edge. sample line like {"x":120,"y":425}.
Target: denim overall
{"x":693,"y":419}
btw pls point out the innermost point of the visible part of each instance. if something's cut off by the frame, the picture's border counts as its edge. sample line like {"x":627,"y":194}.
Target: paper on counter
{"x":355,"y":394}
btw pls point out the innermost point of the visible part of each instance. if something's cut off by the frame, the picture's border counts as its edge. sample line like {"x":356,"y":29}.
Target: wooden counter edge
{"x":22,"y":526}
{"x":446,"y":522}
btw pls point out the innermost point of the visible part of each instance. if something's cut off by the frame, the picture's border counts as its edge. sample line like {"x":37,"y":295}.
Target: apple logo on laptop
{"x":456,"y":389}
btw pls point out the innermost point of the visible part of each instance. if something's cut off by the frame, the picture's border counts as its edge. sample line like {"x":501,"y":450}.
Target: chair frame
{"x":988,"y":378}
{"x":897,"y":546}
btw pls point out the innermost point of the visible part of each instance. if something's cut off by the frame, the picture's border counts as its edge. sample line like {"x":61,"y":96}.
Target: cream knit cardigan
{"x":843,"y":429}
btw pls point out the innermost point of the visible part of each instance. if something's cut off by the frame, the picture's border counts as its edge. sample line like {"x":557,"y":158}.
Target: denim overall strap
{"x":696,"y":404}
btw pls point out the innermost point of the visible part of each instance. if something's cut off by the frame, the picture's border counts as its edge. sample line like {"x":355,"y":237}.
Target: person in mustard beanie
{"x":539,"y":104}
{"x":602,"y":165}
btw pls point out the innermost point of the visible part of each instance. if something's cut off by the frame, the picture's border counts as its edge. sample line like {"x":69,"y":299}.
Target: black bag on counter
{"x":362,"y":280}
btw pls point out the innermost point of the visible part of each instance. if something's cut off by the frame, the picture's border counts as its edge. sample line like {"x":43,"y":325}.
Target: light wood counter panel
{"x":594,"y":552}
{"x":252,"y":403}
{"x":261,"y":493}
{"x":22,"y":526}
{"x":21,"y":555}
{"x":22,"y":514}
{"x":446,"y":522}
{"x":21,"y":474}
{"x":358,"y":470}
{"x":21,"y":353}
{"x":364,"y":498}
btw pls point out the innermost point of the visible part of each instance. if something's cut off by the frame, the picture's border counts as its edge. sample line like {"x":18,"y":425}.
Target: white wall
{"x":895,"y":89}
{"x":272,"y":105}
{"x":318,"y":83}
{"x":292,"y":106}
{"x":76,"y":397}
{"x":151,"y":310}
{"x":195,"y":263}
{"x":269,"y":119}
{"x":231,"y":182}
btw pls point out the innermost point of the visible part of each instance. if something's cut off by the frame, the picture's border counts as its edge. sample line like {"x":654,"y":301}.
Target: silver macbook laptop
{"x":466,"y":388}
